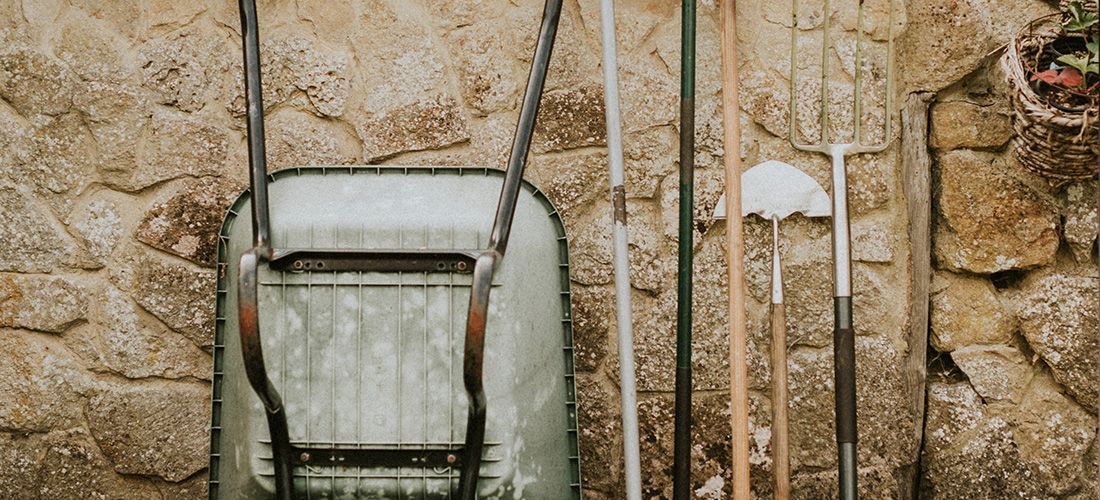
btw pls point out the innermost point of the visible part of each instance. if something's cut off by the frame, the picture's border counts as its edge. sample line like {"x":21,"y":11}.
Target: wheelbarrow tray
{"x":374,"y":359}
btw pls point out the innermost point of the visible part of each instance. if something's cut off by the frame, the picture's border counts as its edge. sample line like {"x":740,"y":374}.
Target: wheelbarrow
{"x":357,"y":353}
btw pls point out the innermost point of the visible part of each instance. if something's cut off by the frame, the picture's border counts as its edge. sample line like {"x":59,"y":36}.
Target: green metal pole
{"x":681,"y":469}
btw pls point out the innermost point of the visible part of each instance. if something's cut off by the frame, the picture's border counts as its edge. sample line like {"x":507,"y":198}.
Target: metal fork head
{"x":856,"y":145}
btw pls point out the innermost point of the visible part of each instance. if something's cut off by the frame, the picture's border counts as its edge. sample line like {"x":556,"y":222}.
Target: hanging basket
{"x":1054,"y":139}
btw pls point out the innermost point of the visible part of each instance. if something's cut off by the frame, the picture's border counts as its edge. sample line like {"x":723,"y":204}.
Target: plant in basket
{"x":1071,"y":80}
{"x":1053,"y":72}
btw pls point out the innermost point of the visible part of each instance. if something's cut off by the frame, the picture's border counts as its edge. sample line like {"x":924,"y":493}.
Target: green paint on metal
{"x":687,"y":187}
{"x":687,"y":50}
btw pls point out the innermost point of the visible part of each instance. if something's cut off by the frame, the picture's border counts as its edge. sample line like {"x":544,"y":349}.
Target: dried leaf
{"x":1070,"y":77}
{"x":1049,"y":76}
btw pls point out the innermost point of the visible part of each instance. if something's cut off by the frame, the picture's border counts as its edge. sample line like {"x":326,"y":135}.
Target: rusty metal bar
{"x":525,"y":128}
{"x":473,"y":361}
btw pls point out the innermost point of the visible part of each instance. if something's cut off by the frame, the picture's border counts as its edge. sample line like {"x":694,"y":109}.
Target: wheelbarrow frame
{"x":481,"y":263}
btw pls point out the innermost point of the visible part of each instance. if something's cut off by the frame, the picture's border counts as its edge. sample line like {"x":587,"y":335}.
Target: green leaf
{"x":1082,"y":25}
{"x":1082,"y":18}
{"x":1074,"y":61}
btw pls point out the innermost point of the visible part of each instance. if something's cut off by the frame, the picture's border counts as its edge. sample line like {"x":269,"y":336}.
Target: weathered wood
{"x":916,"y":165}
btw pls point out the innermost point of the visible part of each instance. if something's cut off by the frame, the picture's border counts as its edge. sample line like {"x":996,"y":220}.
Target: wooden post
{"x":916,"y":165}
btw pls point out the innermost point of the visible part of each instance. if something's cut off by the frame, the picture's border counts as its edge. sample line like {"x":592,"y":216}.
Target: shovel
{"x":775,"y":190}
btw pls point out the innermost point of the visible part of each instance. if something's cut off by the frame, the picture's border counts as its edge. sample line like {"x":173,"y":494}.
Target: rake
{"x":843,"y":332}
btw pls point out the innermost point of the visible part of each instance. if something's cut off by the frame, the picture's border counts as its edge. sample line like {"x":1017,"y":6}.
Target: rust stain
{"x":618,"y":199}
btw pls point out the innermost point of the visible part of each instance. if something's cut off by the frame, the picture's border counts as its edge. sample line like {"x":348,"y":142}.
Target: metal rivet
{"x":297,"y":264}
{"x":304,"y":457}
{"x":451,"y":458}
{"x":461,"y":266}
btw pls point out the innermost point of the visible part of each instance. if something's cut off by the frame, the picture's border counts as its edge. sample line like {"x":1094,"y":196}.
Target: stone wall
{"x":1012,"y":367}
{"x":122,"y":142}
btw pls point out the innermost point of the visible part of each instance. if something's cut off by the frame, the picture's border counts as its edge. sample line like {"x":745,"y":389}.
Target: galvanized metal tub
{"x":374,"y":360}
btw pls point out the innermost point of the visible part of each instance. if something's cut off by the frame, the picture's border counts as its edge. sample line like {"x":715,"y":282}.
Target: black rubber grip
{"x":681,"y":462}
{"x":844,"y":365}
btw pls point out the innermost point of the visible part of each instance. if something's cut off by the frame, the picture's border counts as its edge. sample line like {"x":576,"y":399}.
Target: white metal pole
{"x":631,"y":453}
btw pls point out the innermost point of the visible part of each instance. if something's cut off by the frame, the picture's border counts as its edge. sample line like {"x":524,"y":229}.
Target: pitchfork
{"x":843,"y":333}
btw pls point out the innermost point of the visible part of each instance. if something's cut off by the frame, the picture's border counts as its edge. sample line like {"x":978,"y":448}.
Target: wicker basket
{"x":1051,"y":141}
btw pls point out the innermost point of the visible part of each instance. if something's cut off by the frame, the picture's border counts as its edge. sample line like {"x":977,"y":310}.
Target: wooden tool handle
{"x":781,"y":458}
{"x":735,"y":248}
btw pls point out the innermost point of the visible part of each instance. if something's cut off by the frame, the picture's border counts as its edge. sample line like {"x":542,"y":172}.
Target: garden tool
{"x":345,"y":365}
{"x":775,"y":190}
{"x":624,"y":322}
{"x":735,"y":253}
{"x":681,"y":467}
{"x":844,"y":361}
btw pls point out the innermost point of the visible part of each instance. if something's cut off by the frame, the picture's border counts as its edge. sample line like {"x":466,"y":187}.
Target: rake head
{"x":857,"y":144}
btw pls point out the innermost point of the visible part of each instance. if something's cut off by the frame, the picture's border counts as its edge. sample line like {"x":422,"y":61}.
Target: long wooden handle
{"x":735,"y":247}
{"x":781,"y":458}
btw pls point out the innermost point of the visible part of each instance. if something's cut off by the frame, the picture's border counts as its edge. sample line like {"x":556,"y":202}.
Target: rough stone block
{"x":116,"y":115}
{"x":180,"y":296}
{"x":181,"y":67}
{"x":1054,"y":434}
{"x":174,"y":145}
{"x":63,"y":464}
{"x":32,"y":82}
{"x":488,"y":80}
{"x":945,"y":39}
{"x":154,"y":429}
{"x":961,"y":124}
{"x":989,"y":222}
{"x":427,"y":124}
{"x":1058,"y":316}
{"x":29,"y":243}
{"x":64,"y":162}
{"x":296,"y":139}
{"x":92,"y":49}
{"x":98,"y":225}
{"x":122,"y":340}
{"x":1036,"y":450}
{"x":997,"y":373}
{"x":45,"y":304}
{"x":965,"y":311}
{"x":1080,"y":218}
{"x":571,"y":118}
{"x":298,"y":64}
{"x":187,"y":224}
{"x":570,"y":181}
{"x":40,"y":385}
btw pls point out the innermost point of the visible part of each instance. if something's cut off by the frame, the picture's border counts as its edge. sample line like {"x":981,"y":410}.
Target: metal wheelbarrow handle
{"x":481,"y":262}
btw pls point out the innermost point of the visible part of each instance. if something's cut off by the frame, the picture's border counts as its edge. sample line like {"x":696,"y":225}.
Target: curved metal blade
{"x":775,"y":190}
